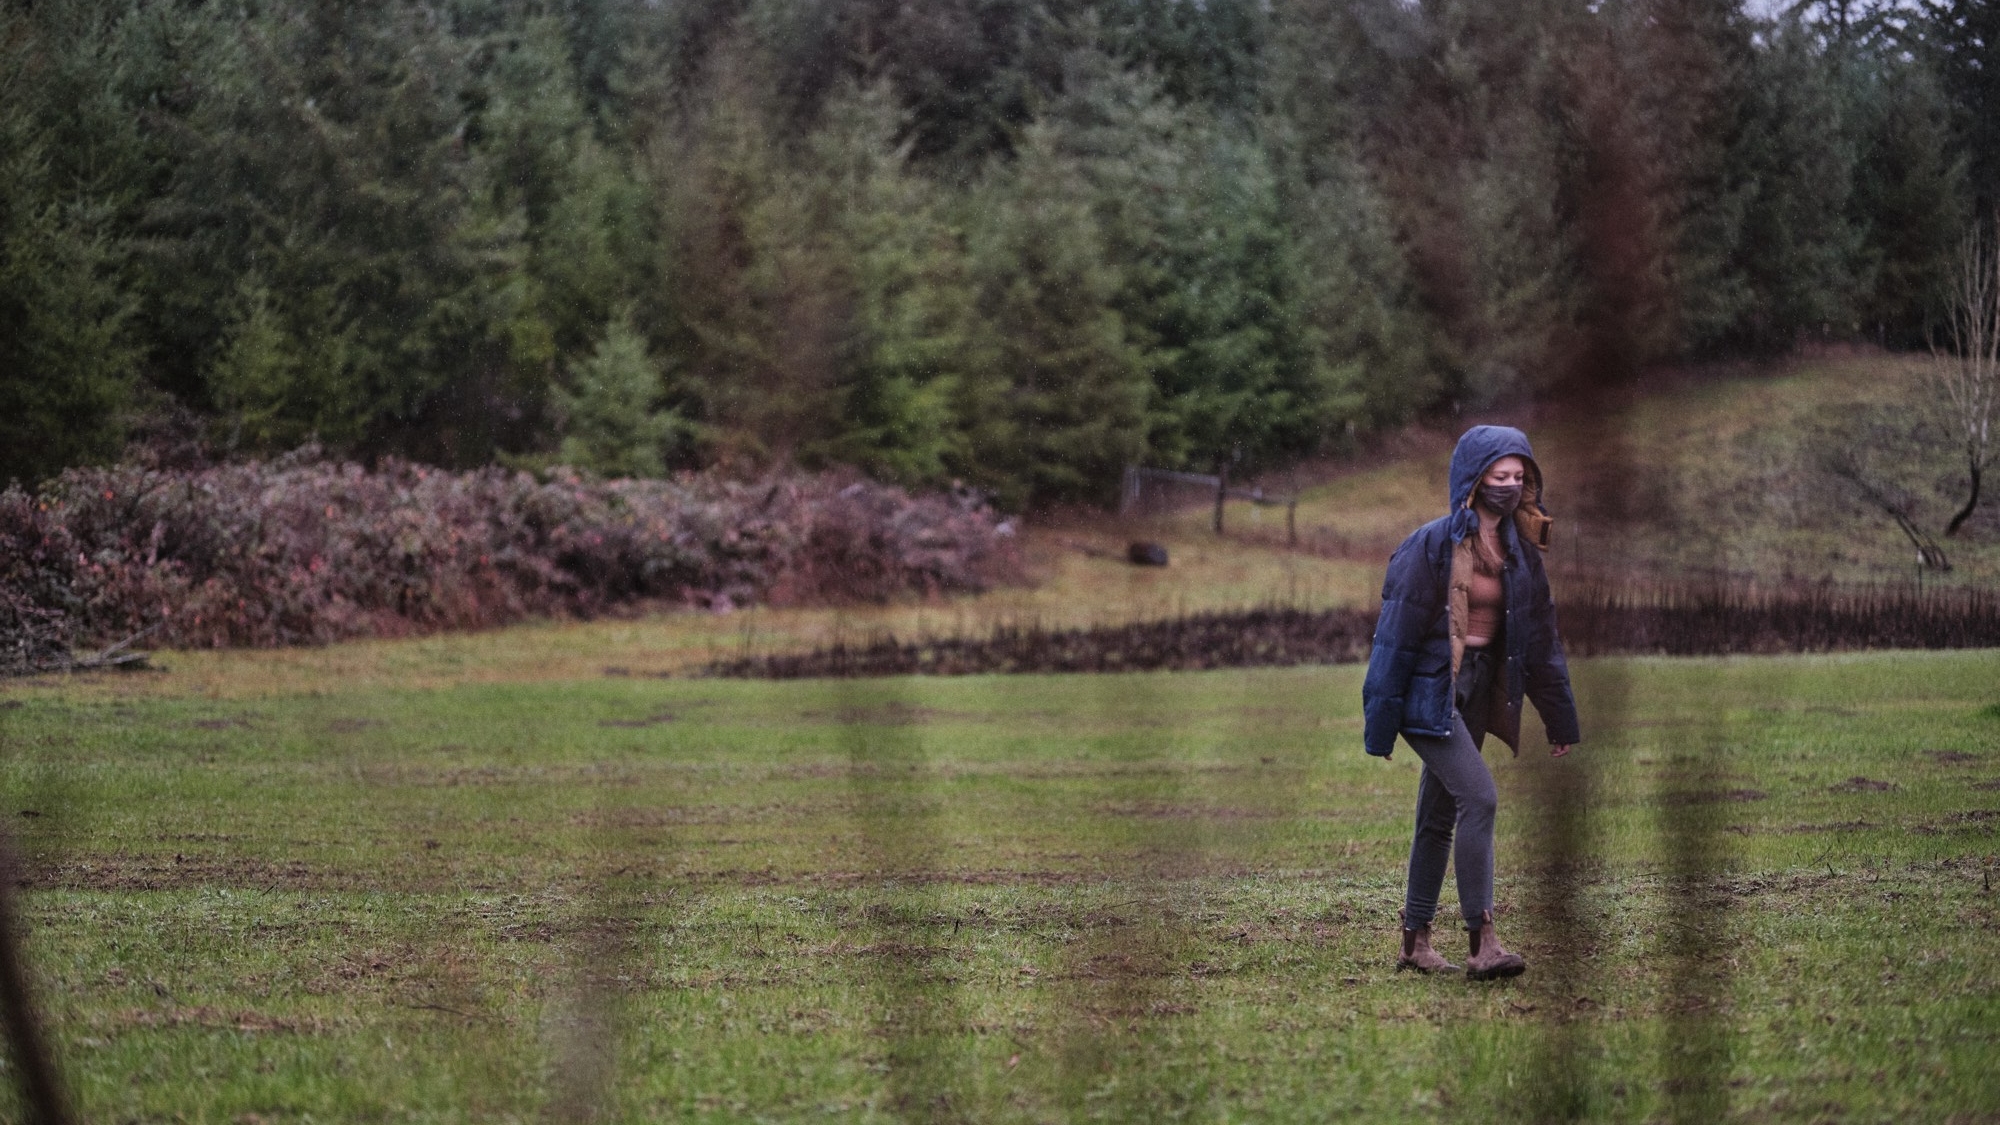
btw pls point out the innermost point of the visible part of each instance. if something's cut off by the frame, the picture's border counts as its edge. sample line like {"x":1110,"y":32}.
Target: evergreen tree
{"x":1695,"y":67}
{"x":903,"y":269}
{"x":1063,"y":408}
{"x":1961,"y":39}
{"x":1480,"y":161}
{"x":66,"y":362}
{"x":1337,"y":81}
{"x":1910,"y":194}
{"x":1797,"y":249}
{"x":1211,"y":297}
{"x":327,"y":156}
{"x":615,"y":423}
{"x":1358,"y":297}
{"x":763,"y":328}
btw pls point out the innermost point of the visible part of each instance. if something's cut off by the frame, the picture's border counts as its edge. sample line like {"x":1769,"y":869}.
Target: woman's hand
{"x":1559,"y":749}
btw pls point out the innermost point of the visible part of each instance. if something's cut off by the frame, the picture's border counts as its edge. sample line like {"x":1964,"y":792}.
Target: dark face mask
{"x":1500,"y":499}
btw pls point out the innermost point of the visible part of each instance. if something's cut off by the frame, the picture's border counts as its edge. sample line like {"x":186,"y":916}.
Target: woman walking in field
{"x":1467,"y":629}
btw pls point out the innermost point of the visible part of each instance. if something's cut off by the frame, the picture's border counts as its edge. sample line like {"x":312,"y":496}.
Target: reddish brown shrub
{"x":303,"y":551}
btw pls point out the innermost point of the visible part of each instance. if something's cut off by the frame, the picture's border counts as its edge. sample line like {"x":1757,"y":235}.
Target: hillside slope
{"x":1719,"y":473}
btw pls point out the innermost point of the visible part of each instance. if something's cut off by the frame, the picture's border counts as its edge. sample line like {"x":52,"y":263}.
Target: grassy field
{"x":1762,"y":890}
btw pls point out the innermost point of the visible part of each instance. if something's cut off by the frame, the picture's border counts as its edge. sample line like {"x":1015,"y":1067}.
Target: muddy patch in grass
{"x":217,"y":1019}
{"x":227,"y":722}
{"x":660,"y":719}
{"x":451,"y":777}
{"x":1837,"y":827}
{"x":1165,"y":810}
{"x":187,"y":872}
{"x":1122,"y":966}
{"x":1953,"y":757}
{"x":1859,"y":784}
{"x":1710,"y":797}
{"x":1971,"y":820}
{"x":891,"y":715}
{"x":679,"y":816}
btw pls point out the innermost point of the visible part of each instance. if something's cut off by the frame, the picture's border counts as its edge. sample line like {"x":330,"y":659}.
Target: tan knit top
{"x":1488,"y":604}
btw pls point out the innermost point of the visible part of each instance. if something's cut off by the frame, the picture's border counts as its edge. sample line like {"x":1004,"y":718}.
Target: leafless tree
{"x":1838,"y":458}
{"x":1967,"y":374}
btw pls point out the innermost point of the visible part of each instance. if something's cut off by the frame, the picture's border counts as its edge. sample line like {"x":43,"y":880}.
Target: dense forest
{"x":1016,"y":243}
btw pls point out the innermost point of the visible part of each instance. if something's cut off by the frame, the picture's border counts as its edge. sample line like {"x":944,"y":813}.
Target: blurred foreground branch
{"x":34,"y":1067}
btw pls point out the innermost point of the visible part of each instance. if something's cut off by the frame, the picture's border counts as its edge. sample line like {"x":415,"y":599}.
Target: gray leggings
{"x":1455,"y":792}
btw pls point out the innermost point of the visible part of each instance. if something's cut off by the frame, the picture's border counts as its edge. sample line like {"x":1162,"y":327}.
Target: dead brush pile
{"x":1602,"y":620}
{"x":306,"y":551}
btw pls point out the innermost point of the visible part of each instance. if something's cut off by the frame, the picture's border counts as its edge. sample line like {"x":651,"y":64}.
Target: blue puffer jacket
{"x":1412,"y":665}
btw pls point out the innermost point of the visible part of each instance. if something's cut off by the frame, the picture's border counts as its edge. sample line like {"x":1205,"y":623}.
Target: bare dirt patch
{"x":1837,"y":827}
{"x":216,"y":1019}
{"x":1712,"y":797}
{"x":660,"y":719}
{"x":1953,"y":757}
{"x":124,"y":872}
{"x":233,"y":722}
{"x":1971,"y":820}
{"x":679,"y":816}
{"x":1163,"y":810}
{"x":890,"y":715}
{"x":1862,"y":785}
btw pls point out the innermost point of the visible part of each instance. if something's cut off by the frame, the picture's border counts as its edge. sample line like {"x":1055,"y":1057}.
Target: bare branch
{"x":1966,"y":375}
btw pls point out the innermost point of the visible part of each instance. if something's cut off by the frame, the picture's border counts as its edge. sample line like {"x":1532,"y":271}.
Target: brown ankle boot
{"x":1488,"y":960}
{"x":1418,"y":954}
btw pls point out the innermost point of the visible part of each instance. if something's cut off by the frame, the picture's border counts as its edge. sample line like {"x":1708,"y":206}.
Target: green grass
{"x":1153,"y":897}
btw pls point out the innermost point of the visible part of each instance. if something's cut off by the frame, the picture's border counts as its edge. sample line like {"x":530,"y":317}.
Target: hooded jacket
{"x":1420,"y":636}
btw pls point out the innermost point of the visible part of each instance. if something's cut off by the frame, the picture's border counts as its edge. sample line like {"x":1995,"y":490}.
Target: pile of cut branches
{"x":306,"y":551}
{"x":1604,"y":621}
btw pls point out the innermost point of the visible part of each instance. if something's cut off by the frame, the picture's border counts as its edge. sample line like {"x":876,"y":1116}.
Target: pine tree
{"x":615,"y":422}
{"x":327,"y":155}
{"x":762,"y":325}
{"x":1063,"y":408}
{"x":906,"y":282}
{"x":1797,"y":249}
{"x":1212,"y":290}
{"x":1910,"y":199}
{"x":1695,"y":70}
{"x":66,"y":360}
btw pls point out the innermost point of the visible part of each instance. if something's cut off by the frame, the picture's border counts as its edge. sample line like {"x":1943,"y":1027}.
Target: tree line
{"x":1015,"y":243}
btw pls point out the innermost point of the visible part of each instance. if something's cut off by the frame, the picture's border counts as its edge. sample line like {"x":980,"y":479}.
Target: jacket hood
{"x":1477,"y":449}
